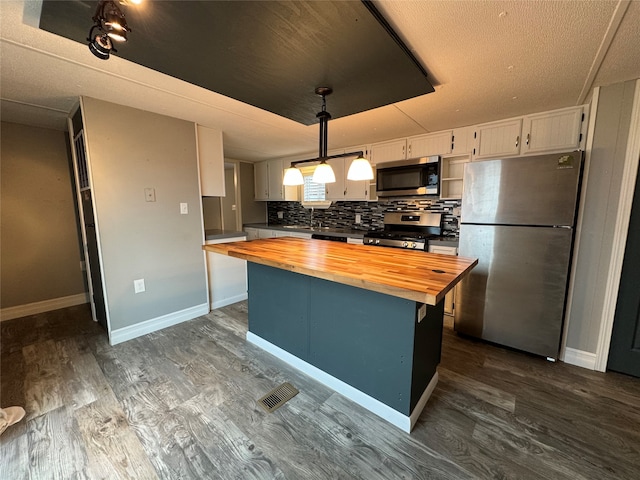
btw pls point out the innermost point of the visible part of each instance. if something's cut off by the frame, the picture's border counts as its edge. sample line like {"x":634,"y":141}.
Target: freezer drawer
{"x":516,"y":294}
{"x":541,"y":190}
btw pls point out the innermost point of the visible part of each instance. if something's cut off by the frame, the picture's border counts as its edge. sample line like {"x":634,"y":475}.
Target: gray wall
{"x":211,"y":213}
{"x":600,"y":206}
{"x":40,"y":253}
{"x":252,"y":211}
{"x":130,"y":150}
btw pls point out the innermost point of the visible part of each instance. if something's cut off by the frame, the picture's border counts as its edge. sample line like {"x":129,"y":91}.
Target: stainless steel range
{"x":411,"y":230}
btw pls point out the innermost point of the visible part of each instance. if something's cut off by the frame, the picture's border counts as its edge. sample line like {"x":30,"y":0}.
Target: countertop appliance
{"x":518,"y":219}
{"x":410,"y":230}
{"x":418,"y":176}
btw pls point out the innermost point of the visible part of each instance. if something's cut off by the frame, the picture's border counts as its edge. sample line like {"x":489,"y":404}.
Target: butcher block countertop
{"x":402,"y":273}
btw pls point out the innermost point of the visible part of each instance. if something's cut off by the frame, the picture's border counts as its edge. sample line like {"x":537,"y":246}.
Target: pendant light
{"x":360,"y":168}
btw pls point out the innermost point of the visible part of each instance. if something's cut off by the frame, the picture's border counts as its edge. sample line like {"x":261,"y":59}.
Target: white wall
{"x":40,"y":253}
{"x":600,"y":205}
{"x":130,"y":150}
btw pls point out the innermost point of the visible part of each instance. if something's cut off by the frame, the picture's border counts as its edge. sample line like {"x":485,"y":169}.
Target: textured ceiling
{"x":488,"y":59}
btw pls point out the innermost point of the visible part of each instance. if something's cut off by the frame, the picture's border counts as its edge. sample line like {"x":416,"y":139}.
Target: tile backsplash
{"x":343,"y":214}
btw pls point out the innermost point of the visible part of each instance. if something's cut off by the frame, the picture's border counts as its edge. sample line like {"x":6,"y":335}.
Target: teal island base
{"x":378,"y":350}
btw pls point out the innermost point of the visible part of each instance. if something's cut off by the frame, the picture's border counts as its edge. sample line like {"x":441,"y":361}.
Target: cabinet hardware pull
{"x":528,"y":135}
{"x":517,"y":141}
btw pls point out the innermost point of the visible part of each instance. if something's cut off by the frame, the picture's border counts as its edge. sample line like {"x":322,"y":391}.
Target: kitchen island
{"x":364,"y":320}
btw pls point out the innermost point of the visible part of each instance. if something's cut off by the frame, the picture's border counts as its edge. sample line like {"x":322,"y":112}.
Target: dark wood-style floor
{"x":181,"y":403}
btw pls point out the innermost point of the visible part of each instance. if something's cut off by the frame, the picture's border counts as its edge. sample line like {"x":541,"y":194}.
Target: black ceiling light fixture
{"x":109,"y":25}
{"x":360,"y":168}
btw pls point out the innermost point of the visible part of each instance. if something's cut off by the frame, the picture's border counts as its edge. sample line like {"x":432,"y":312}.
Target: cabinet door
{"x":276,"y":175}
{"x":499,"y":139}
{"x":559,"y":130}
{"x":210,"y":161}
{"x":388,"y":151}
{"x":261,"y":180}
{"x":252,"y":233}
{"x":336,"y":190}
{"x":430,"y":144}
{"x":462,"y":141}
{"x":356,"y":190}
{"x":266,"y":233}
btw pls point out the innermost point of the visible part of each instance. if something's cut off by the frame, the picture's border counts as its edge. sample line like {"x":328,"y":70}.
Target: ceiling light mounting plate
{"x":324,"y":91}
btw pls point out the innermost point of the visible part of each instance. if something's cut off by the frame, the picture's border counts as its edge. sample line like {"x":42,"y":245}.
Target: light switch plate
{"x":150,"y":194}
{"x":184,"y":209}
{"x":138,"y":285}
{"x":358,"y":218}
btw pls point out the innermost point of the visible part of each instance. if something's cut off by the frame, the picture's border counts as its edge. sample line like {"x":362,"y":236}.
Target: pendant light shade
{"x":360,"y":169}
{"x":292,"y":177}
{"x":323,"y":174}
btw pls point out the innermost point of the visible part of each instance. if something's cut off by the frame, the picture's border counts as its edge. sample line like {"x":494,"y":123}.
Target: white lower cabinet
{"x":252,"y":233}
{"x":227,"y":276}
{"x":450,"y":297}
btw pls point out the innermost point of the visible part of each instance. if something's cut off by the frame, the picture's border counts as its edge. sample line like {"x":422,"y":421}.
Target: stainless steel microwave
{"x":419,"y":176}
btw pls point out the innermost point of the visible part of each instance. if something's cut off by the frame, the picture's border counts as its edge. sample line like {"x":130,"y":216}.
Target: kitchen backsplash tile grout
{"x":343,"y":214}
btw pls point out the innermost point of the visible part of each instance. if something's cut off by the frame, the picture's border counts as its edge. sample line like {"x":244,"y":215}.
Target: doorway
{"x":624,"y":352}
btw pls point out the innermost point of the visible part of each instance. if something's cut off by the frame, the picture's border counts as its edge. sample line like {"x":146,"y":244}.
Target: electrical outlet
{"x":358,"y":219}
{"x":184,"y":209}
{"x":138,"y":285}
{"x":280,"y":215}
{"x":457,"y":211}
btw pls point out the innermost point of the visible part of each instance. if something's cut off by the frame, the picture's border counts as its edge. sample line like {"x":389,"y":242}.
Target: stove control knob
{"x":405,"y":244}
{"x":412,"y":245}
{"x":377,"y":242}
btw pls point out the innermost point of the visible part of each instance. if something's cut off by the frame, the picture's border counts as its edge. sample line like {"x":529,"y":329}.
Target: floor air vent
{"x":278,"y":397}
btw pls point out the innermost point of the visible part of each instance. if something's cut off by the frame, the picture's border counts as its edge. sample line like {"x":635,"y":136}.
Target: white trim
{"x":578,"y":233}
{"x":385,"y":412}
{"x":580,"y":358}
{"x":34,"y":308}
{"x":625,"y":201}
{"x":153,"y":325}
{"x":229,"y":301}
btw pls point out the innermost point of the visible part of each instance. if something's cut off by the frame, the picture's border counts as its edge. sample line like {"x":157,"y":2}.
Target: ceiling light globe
{"x":323,"y":174}
{"x":292,"y":177}
{"x":360,"y":169}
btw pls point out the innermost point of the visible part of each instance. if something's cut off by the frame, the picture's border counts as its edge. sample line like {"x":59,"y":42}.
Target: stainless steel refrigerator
{"x":518,"y":219}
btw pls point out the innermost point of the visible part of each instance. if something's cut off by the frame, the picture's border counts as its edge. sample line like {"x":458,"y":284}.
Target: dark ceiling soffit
{"x":374,"y":68}
{"x":392,"y":33}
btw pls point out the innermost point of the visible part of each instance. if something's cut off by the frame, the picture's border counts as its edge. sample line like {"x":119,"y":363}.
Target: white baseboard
{"x":579,"y":358}
{"x":229,"y":301}
{"x":18,"y":311}
{"x":385,"y":412}
{"x":153,"y":325}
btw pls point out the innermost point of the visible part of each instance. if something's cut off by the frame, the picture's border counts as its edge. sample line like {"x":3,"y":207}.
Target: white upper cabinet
{"x":430,"y":144}
{"x":344,"y":189}
{"x":268,"y":176}
{"x":558,"y":130}
{"x":276,"y":175}
{"x":462,"y":141}
{"x":210,"y":161}
{"x":388,"y":151}
{"x":498,"y":139}
{"x":336,"y":190}
{"x":261,"y":180}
